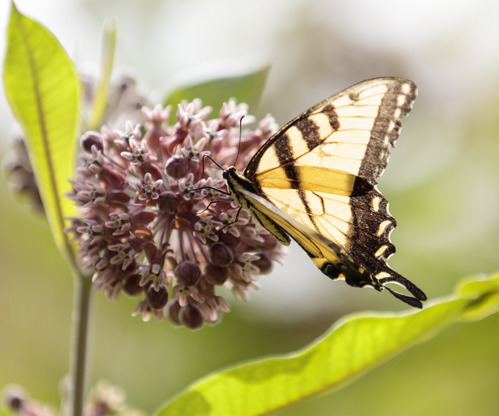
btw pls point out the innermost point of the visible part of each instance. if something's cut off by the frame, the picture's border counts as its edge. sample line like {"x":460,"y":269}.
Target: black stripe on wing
{"x":396,"y":104}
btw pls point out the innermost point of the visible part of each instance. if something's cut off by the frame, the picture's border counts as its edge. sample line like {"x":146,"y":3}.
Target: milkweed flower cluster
{"x":155,"y":217}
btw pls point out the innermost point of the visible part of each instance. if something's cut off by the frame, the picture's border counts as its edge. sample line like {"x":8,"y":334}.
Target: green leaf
{"x":43,"y":90}
{"x":486,"y":293}
{"x":352,"y":347}
{"x":246,"y":88}
{"x":101,"y":99}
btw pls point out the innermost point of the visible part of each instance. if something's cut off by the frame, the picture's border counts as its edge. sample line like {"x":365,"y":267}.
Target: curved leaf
{"x":351,"y":348}
{"x":246,"y":88}
{"x":486,"y":293}
{"x":101,"y":99}
{"x":42,"y":88}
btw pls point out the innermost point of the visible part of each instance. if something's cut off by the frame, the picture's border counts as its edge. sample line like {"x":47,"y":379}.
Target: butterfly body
{"x":315,"y":181}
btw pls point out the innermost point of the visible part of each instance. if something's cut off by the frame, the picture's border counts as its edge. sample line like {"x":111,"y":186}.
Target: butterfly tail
{"x":418,"y":295}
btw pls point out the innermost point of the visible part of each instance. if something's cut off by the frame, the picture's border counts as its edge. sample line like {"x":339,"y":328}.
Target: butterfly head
{"x":231,"y":171}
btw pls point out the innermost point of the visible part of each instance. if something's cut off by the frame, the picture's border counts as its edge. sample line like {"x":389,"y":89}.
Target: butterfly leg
{"x":214,"y":202}
{"x":220,"y":191}
{"x":235,"y":219}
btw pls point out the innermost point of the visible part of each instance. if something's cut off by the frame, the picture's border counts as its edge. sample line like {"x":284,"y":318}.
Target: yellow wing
{"x":315,"y":180}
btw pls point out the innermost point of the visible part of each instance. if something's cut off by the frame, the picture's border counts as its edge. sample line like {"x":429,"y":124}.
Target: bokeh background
{"x":442,"y":184}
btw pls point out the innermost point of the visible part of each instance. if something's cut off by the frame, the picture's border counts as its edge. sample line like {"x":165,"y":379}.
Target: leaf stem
{"x":79,"y":346}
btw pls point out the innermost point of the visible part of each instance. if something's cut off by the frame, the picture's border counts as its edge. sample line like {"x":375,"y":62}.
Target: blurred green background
{"x":442,"y":184}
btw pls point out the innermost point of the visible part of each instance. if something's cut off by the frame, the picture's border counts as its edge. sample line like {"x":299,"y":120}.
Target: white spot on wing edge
{"x":383,"y":275}
{"x":380,"y":251}
{"x":375,"y":203}
{"x":382,"y":227}
{"x":406,"y":88}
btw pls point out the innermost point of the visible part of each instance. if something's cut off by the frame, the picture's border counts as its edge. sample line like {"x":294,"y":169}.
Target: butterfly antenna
{"x":213,"y":160}
{"x":240,"y":135}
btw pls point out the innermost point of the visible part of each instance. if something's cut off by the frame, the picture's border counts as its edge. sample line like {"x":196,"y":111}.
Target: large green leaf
{"x":246,"y":88}
{"x":42,"y":88}
{"x":352,"y":347}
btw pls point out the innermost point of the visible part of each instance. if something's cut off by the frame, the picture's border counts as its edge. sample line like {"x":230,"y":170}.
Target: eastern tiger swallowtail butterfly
{"x":315,"y":181}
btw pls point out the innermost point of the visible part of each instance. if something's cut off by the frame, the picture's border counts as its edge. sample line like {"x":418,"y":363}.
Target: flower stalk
{"x":79,"y":346}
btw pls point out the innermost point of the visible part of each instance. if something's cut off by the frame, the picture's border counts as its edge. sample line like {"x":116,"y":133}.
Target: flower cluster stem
{"x":79,"y":347}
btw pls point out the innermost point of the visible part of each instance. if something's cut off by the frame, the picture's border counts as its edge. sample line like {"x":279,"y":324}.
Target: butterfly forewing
{"x":351,"y":131}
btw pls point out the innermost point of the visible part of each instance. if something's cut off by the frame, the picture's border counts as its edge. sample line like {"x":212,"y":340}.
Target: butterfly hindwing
{"x":319,"y":173}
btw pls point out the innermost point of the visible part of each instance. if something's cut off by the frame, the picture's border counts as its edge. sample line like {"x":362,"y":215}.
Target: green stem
{"x":79,"y":347}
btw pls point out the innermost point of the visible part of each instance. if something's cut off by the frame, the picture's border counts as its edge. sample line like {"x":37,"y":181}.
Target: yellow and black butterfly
{"x":315,"y":181}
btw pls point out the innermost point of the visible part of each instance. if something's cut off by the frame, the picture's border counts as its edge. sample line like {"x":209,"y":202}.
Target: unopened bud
{"x":157,"y":299}
{"x":191,"y":317}
{"x":187,"y":273}
{"x":221,"y":255}
{"x":215,"y":274}
{"x":89,"y":139}
{"x":177,"y":167}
